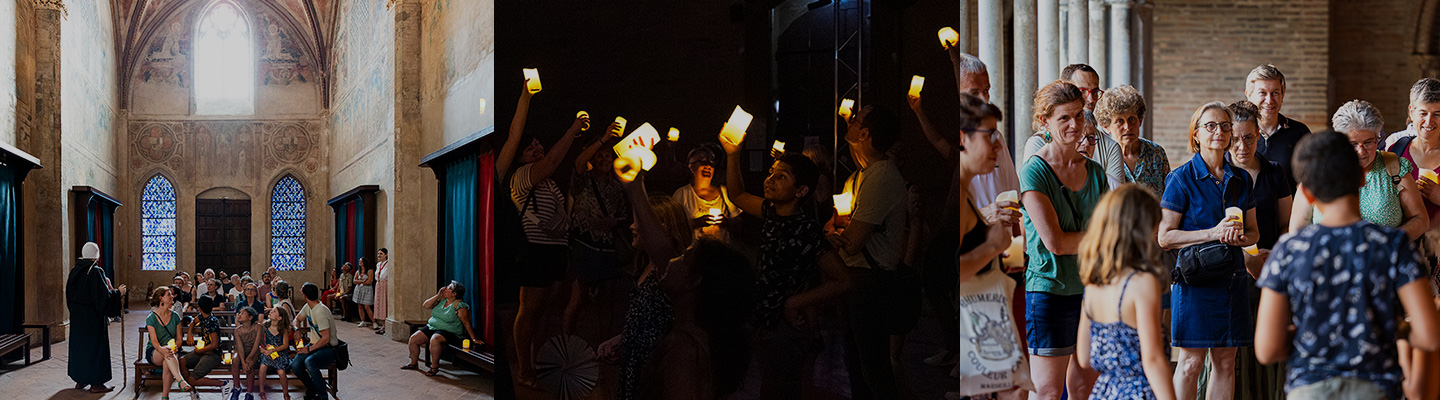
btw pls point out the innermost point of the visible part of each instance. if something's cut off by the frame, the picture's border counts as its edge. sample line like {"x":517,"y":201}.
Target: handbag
{"x":993,"y":358}
{"x":342,"y":355}
{"x":1208,"y":264}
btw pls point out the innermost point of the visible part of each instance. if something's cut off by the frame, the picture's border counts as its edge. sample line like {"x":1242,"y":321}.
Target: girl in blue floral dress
{"x":276,"y":354}
{"x":1121,"y":335}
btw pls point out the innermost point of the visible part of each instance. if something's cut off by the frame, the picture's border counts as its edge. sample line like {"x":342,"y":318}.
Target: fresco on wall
{"x":457,"y":69}
{"x":201,"y":149}
{"x":281,"y":59}
{"x":88,"y":97}
{"x":167,"y":60}
{"x":362,"y":115}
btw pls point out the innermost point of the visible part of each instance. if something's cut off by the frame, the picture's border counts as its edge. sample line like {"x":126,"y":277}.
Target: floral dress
{"x":1116,"y":356}
{"x":646,"y":322}
{"x":278,"y":363}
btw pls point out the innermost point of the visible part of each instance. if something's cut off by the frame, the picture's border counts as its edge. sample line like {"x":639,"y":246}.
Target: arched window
{"x":224,"y":62}
{"x":287,"y":225}
{"x":157,"y":222}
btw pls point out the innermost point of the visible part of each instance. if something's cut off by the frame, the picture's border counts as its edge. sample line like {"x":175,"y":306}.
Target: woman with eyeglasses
{"x":704,"y":194}
{"x":1390,"y":196}
{"x":1059,"y":188}
{"x":1090,"y":141}
{"x":1210,"y":315}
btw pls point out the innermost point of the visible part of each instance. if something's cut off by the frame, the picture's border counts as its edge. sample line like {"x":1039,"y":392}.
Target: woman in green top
{"x":163,"y":324}
{"x":1059,"y":188}
{"x":449,"y":318}
{"x":1389,"y":198}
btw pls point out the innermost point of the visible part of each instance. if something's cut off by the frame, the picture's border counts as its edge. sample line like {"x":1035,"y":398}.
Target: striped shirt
{"x":544,"y":222}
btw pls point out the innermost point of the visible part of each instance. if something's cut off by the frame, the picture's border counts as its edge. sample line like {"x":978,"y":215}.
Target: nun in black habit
{"x":91,"y":299}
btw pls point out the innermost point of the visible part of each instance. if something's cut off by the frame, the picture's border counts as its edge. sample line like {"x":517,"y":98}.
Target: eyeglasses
{"x":995,"y":134}
{"x":1090,"y":139}
{"x":1368,"y":143}
{"x":1221,"y":126}
{"x":1096,"y":92}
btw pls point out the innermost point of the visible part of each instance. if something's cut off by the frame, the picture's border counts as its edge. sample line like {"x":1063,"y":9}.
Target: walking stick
{"x":124,"y":381}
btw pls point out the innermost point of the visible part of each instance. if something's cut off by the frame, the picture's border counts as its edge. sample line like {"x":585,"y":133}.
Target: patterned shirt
{"x":207,"y":326}
{"x":544,"y":221}
{"x":1343,"y":286}
{"x":1380,"y":197}
{"x":596,"y":200}
{"x":1151,"y":168}
{"x":788,"y":250}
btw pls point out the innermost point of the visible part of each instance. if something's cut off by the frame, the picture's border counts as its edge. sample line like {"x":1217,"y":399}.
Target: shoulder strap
{"x":1400,"y":145}
{"x":1120,"y":304}
{"x":1392,"y":165}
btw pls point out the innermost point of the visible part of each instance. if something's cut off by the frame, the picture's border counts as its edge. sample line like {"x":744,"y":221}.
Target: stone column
{"x":1024,"y":71}
{"x":411,"y":202}
{"x":1047,"y":28}
{"x":990,"y":25}
{"x":962,"y":26}
{"x":1120,"y":42}
{"x":44,"y":199}
{"x":1078,"y":52}
{"x":1098,"y":57}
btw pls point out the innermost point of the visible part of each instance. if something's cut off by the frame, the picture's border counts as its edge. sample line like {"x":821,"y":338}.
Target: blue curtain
{"x":107,"y":238}
{"x":460,"y":259}
{"x":9,"y":250}
{"x":360,"y":235}
{"x":340,"y":226}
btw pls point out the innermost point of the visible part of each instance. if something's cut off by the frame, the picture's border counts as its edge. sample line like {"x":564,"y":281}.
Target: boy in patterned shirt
{"x":797,"y":270}
{"x":1343,"y":285}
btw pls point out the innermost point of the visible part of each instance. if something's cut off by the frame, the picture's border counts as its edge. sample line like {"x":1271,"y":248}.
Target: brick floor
{"x":374,"y":375}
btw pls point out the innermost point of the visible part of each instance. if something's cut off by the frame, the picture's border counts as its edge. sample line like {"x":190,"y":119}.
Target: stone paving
{"x":375,"y":372}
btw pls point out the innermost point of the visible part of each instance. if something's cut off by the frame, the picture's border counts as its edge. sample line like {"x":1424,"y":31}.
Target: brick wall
{"x":1370,"y":55}
{"x":1203,"y":49}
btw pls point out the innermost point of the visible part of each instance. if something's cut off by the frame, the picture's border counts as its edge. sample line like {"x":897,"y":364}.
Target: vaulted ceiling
{"x":138,"y":22}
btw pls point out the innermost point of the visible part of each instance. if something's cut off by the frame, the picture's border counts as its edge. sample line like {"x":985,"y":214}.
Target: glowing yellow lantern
{"x":846,"y":107}
{"x":171,"y":344}
{"x":482,"y":106}
{"x":532,"y":79}
{"x":734,"y":130}
{"x":673,"y":135}
{"x":199,"y":344}
{"x":1015,"y":254}
{"x":948,"y":37}
{"x":715,"y":212}
{"x":779,"y":146}
{"x":629,"y":164}
{"x":1429,"y":174}
{"x":621,"y":123}
{"x":645,"y":136}
{"x":1010,"y":196}
{"x":227,"y":358}
{"x":465,"y":344}
{"x":583,"y":114}
{"x":1235,"y":212}
{"x":842,"y":203}
{"x":917,"y":82}
{"x":1253,"y":249}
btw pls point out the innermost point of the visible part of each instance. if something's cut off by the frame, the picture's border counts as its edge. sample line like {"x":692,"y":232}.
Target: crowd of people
{"x":1274,"y":261}
{"x":269,"y":334}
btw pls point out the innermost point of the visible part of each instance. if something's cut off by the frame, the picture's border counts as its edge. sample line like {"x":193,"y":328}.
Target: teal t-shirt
{"x":1045,"y":271}
{"x":163,"y":333}
{"x":446,"y":318}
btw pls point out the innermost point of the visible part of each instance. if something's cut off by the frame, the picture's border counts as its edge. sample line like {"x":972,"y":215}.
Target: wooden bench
{"x":11,"y":342}
{"x":455,"y":352}
{"x":145,"y":371}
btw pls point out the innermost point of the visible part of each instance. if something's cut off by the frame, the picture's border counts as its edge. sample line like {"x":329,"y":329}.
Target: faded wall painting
{"x":88,"y":98}
{"x":458,"y":68}
{"x":286,"y":83}
{"x":162,"y":80}
{"x":363,"y":110}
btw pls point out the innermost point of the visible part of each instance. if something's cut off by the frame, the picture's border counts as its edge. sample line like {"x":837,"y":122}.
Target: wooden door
{"x":222,"y":235}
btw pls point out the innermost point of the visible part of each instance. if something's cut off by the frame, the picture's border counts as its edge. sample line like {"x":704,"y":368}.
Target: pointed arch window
{"x":287,"y":225}
{"x":157,"y":215}
{"x":224,"y":62}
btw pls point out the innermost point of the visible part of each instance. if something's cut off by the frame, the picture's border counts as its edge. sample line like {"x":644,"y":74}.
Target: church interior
{"x":333,"y":143}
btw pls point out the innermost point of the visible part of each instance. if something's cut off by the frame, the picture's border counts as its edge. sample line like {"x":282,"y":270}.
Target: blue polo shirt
{"x":1191,"y":191}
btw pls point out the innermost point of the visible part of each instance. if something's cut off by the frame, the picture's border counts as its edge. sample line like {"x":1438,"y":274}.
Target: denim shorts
{"x":1338,"y":388}
{"x":1051,"y":323}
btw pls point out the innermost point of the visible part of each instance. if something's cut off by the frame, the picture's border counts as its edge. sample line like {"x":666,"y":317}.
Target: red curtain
{"x":486,"y":269}
{"x":349,"y":253}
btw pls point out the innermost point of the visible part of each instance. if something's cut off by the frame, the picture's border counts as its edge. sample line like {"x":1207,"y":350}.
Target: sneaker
{"x":943,"y":358}
{"x":362,"y":325}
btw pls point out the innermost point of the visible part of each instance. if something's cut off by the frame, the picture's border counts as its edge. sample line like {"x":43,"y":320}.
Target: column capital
{"x":58,"y":5}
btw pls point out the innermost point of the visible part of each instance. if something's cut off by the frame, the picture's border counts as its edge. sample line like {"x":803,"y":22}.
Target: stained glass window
{"x":157,"y":225}
{"x":287,"y":225}
{"x":224,"y":63}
